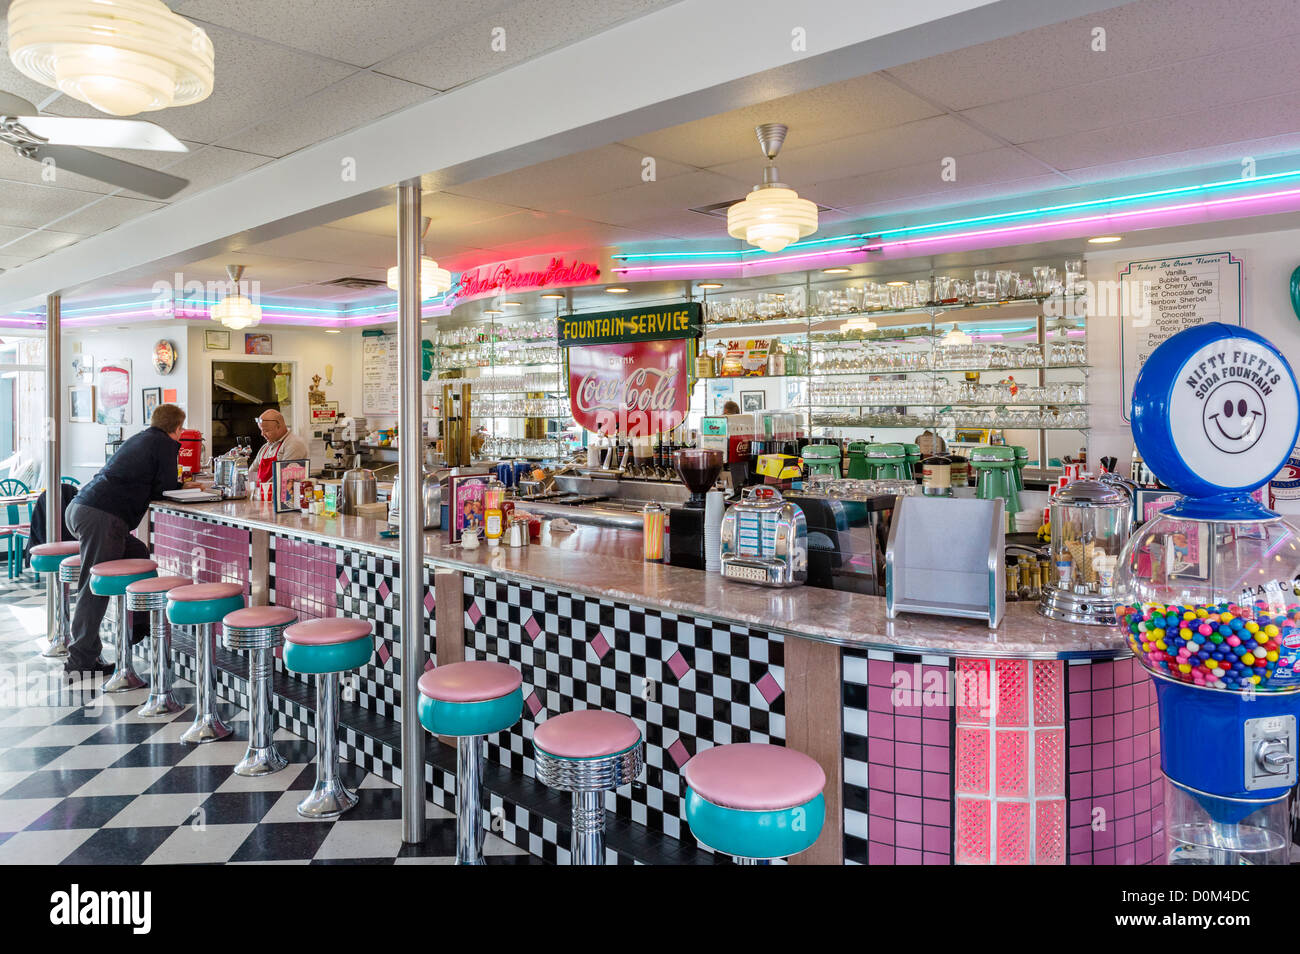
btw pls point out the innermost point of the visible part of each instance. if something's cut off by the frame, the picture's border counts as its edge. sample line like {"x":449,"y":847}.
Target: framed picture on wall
{"x":752,"y":401}
{"x":216,"y":340}
{"x":150,"y":398}
{"x":285,"y":477}
{"x":81,"y":404}
{"x":259,"y":343}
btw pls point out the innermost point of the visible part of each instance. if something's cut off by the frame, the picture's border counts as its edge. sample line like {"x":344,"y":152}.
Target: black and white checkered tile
{"x":689,"y":683}
{"x":83,"y":780}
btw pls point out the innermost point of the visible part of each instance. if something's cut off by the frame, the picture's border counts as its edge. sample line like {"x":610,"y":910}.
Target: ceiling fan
{"x":61,"y":140}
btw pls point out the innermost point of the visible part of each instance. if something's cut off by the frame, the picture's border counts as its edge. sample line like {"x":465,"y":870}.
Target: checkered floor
{"x":86,"y":781}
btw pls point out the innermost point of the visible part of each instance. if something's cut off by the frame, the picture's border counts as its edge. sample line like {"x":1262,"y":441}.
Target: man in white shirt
{"x":281,"y":444}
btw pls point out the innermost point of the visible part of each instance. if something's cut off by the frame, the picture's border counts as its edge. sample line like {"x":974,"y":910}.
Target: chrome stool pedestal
{"x":259,"y":630}
{"x":200,"y":606}
{"x":150,"y":596}
{"x":49,"y":558}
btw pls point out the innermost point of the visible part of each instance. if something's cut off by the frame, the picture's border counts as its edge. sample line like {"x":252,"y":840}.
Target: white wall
{"x":1268,"y":259}
{"x":83,"y":444}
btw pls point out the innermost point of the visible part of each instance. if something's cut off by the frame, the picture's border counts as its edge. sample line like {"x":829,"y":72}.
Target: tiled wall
{"x":1116,"y":810}
{"x":897,"y":759}
{"x":204,"y":551}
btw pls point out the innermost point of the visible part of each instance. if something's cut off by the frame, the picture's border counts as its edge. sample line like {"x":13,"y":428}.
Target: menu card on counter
{"x":380,"y":391}
{"x":1161,"y":297}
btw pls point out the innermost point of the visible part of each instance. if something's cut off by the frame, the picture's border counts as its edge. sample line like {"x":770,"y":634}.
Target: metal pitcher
{"x":359,"y":488}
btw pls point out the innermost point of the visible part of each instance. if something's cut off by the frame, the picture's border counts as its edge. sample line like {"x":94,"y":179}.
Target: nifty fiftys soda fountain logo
{"x":1234,"y":387}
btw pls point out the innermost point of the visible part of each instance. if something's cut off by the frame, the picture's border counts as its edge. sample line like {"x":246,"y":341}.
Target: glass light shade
{"x":955,"y":337}
{"x":772,"y":217}
{"x":433,"y":280}
{"x":858,"y":324}
{"x":236,"y":312}
{"x":120,"y":56}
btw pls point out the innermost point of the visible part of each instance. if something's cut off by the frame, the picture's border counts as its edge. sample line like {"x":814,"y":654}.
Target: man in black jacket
{"x":105,"y":512}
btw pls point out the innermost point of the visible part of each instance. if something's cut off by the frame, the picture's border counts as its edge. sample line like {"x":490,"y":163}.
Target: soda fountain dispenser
{"x":1208,"y":592}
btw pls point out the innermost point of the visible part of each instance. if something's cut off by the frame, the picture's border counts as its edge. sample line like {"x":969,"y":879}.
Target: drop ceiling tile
{"x":924,"y":142}
{"x":255,"y":82}
{"x":550,"y":185}
{"x":1138,"y":36}
{"x":862,"y":105}
{"x":31,"y":206}
{"x":204,"y":167}
{"x":444,"y":209}
{"x":359,"y":32}
{"x":977,"y":169}
{"x":1217,"y":128}
{"x":34,"y":243}
{"x":517,"y":227}
{"x":464,"y":52}
{"x":355,"y":101}
{"x":325,"y":244}
{"x":913,"y":198}
{"x":104,"y":212}
{"x":1217,"y":162}
{"x":594,"y":235}
{"x":632,"y":206}
{"x":1150,"y":95}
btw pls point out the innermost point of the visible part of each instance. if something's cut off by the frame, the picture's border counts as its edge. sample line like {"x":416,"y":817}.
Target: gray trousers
{"x":101,"y":537}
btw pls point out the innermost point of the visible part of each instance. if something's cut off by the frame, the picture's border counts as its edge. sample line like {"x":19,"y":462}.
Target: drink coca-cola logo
{"x":634,"y":388}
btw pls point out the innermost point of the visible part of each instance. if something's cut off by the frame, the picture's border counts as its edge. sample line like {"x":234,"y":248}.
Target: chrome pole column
{"x":124,"y":676}
{"x":160,"y":701}
{"x":588,"y":841}
{"x":469,"y":800}
{"x":410,"y":467}
{"x":56,"y":628}
{"x":207,"y":725}
{"x":329,"y":797}
{"x":262,"y":757}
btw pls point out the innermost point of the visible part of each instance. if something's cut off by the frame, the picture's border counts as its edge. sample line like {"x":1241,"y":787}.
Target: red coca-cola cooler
{"x":191,"y":451}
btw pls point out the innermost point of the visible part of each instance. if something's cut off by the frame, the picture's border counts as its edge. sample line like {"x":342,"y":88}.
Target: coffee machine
{"x":698,"y":468}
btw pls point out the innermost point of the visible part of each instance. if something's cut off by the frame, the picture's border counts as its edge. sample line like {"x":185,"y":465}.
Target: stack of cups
{"x":713,"y":510}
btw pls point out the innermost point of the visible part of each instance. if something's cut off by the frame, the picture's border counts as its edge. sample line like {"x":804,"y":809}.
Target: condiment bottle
{"x":1012,"y":583}
{"x":493,"y":495}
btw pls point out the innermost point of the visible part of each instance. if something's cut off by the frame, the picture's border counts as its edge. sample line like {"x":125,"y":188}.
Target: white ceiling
{"x":290,"y":73}
{"x":1181,"y":84}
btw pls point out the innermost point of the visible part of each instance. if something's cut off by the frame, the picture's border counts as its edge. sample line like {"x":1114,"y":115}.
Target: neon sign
{"x":506,"y":277}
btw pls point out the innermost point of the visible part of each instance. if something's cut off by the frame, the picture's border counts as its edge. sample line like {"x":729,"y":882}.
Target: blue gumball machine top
{"x":1209,"y":590}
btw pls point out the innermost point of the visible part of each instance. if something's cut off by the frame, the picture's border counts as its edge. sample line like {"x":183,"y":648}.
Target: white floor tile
{"x":362,"y":839}
{"x":42,"y":847}
{"x":90,"y":756}
{"x":188,"y":845}
{"x":122,"y":781}
{"x":157,"y":810}
{"x":17,"y":813}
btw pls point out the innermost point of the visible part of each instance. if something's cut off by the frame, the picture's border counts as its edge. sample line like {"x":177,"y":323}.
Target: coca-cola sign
{"x":629,"y":370}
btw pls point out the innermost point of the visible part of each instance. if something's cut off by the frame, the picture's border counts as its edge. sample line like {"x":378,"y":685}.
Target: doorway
{"x":241,"y":391}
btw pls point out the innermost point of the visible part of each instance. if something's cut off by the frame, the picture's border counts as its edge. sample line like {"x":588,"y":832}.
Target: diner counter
{"x":606,"y":563}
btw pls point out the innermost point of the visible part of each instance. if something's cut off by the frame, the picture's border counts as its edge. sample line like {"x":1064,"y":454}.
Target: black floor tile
{"x":439,"y":840}
{"x":236,"y":808}
{"x":51,"y":784}
{"x":119,"y":846}
{"x":352,"y":775}
{"x":15,"y":734}
{"x":352,"y":861}
{"x":87,"y":812}
{"x":290,"y":841}
{"x":153,"y":753}
{"x":102,"y":713}
{"x":190,"y":778}
{"x":31,"y":758}
{"x":120,"y":733}
{"x":375,"y":804}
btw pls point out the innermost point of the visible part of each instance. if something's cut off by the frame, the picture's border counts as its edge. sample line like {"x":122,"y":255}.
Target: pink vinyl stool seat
{"x":588,"y":752}
{"x":149,"y":595}
{"x":327,"y":632}
{"x":58,"y":548}
{"x":472,"y":681}
{"x":755,"y":777}
{"x":124,"y":567}
{"x":258,"y":617}
{"x":202,"y":592}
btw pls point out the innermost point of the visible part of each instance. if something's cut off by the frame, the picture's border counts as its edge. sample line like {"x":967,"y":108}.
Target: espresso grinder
{"x":698,"y":468}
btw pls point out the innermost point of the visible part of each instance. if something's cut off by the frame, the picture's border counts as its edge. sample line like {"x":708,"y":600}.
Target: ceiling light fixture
{"x":120,"y":56}
{"x":1105,"y":239}
{"x":837,"y":270}
{"x":553,"y":296}
{"x":858,"y":324}
{"x":897,"y":284}
{"x":513,"y":304}
{"x":617,"y":290}
{"x":493,"y":311}
{"x":333,"y":331}
{"x":772,"y":215}
{"x":955,"y":337}
{"x":433,"y":280}
{"x":236,"y":311}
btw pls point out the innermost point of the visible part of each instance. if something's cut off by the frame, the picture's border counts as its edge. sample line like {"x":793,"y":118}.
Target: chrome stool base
{"x":57,"y":617}
{"x":261,"y":761}
{"x":329,"y":797}
{"x":588,"y":780}
{"x":160,"y":701}
{"x":207,"y":726}
{"x":469,"y":800}
{"x":262,"y":757}
{"x":124,"y":677}
{"x":327,"y":801}
{"x":160,"y":705}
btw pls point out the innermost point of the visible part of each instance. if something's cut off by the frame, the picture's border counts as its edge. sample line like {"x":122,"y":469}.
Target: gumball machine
{"x":1208,"y":592}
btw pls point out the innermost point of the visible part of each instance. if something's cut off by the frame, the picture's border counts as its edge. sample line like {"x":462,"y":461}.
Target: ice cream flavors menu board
{"x":1161,"y":297}
{"x":380,"y":393}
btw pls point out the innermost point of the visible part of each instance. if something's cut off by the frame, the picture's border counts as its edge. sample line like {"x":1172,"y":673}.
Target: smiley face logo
{"x":1234,"y":416}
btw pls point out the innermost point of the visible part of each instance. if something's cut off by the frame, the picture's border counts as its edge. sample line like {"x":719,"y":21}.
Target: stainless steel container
{"x":239,"y":479}
{"x":1091,"y":522}
{"x":430,"y":497}
{"x":359,"y":488}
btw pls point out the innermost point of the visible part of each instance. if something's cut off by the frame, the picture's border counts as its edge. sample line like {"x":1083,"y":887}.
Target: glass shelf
{"x":818,"y":374}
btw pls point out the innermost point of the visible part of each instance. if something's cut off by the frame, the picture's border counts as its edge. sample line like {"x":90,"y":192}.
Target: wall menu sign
{"x":1175,"y":293}
{"x":629,"y":370}
{"x":379,"y":373}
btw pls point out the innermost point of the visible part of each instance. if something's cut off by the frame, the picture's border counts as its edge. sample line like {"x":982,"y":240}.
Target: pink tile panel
{"x":1115,"y":810}
{"x":205,"y":552}
{"x":305,"y":577}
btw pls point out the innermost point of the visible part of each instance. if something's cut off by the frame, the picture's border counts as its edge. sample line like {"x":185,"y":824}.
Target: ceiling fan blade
{"x":13,"y":105}
{"x":125,"y":175}
{"x":103,"y":133}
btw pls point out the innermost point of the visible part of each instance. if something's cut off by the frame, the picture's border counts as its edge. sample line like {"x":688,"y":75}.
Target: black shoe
{"x":73,"y":668}
{"x":138,"y":636}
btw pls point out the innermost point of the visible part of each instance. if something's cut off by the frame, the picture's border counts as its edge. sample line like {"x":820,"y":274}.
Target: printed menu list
{"x":380,"y":391}
{"x":1162,"y":297}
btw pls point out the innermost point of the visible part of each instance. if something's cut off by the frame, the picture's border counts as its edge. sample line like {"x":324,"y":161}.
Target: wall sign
{"x":1216,"y":413}
{"x":1180,"y":293}
{"x":164,"y":357}
{"x":629,"y":370}
{"x":114,"y":392}
{"x":526,"y":274}
{"x":379,"y":373}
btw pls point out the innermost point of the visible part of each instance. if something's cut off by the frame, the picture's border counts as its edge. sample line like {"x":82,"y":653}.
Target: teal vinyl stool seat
{"x":587,"y":753}
{"x":111,"y":579}
{"x":47,"y":558}
{"x":150,"y":596}
{"x":755,"y":801}
{"x":469,"y":700}
{"x":259,"y":630}
{"x":325,"y":648}
{"x":201,"y":606}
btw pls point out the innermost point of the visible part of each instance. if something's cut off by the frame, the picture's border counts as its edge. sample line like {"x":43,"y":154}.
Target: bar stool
{"x":588,"y":752}
{"x":327,"y":647}
{"x":755,"y":801}
{"x":201,"y":605}
{"x":150,"y":596}
{"x":259,"y":630}
{"x":470,"y":700}
{"x":47,"y":558}
{"x":111,"y":579}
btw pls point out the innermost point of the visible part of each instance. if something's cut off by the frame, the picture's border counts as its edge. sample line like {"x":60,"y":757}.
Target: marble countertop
{"x":606,"y":563}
